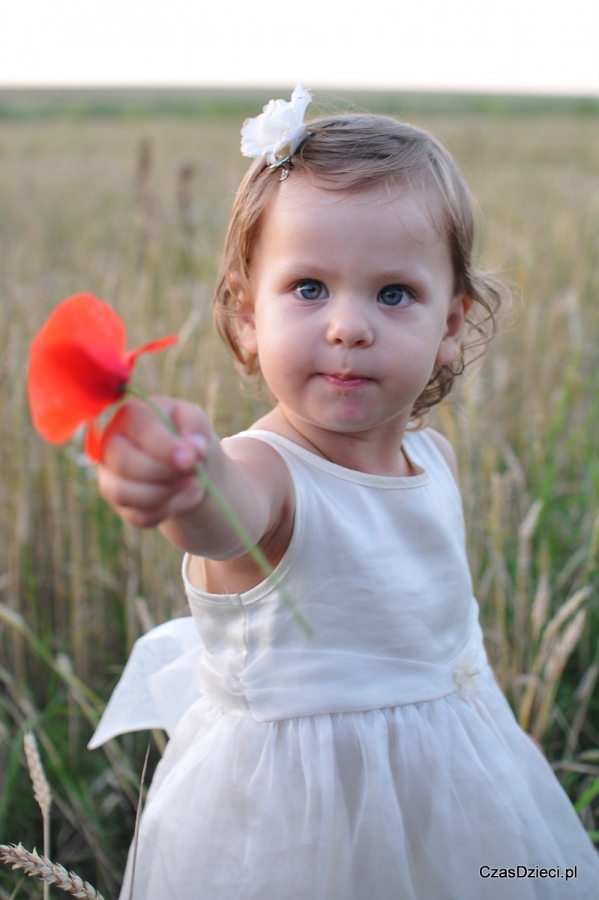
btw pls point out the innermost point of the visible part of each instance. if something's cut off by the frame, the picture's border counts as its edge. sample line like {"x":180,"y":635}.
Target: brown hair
{"x":355,"y":153}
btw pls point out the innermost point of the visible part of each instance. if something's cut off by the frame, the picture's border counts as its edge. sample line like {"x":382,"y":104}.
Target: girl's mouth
{"x":345,"y":382}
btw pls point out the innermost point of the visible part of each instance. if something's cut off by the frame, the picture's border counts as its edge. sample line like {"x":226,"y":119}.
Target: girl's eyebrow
{"x":303,"y":264}
{"x":405,"y":273}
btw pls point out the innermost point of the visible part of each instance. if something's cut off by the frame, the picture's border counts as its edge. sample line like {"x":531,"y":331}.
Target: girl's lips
{"x":345,"y":382}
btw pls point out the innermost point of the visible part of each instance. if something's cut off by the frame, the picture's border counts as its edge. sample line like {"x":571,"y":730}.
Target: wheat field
{"x":133,"y":207}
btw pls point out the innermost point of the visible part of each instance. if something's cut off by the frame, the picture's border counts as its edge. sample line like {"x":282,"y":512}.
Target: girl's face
{"x":352,"y":305}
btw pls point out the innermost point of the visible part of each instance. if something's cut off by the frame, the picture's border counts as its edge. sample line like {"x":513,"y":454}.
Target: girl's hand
{"x":147,"y":472}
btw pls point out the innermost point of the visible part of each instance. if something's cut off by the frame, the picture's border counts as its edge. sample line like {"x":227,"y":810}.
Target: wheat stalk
{"x":524,"y":558}
{"x":41,"y":788}
{"x":41,"y":791}
{"x":550,"y":643}
{"x":542,"y":598}
{"x":555,"y":667}
{"x":37,"y":866}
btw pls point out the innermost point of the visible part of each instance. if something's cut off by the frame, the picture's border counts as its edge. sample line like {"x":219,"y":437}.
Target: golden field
{"x":133,"y":207}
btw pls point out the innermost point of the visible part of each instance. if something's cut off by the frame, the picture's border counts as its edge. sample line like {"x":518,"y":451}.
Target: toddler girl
{"x":374,"y":758}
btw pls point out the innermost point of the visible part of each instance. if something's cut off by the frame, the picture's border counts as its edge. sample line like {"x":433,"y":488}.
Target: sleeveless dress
{"x":374,"y":760}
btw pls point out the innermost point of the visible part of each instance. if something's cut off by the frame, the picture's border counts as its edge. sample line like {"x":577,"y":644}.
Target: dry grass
{"x":134,"y":211}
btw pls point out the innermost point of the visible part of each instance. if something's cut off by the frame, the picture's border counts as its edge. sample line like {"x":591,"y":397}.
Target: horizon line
{"x":517,"y":91}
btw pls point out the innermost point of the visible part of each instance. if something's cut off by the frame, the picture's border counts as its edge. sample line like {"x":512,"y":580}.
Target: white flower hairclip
{"x":279,"y":130}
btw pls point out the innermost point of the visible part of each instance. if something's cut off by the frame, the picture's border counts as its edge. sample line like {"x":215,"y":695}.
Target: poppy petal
{"x":83,"y":319}
{"x":151,"y":347}
{"x":95,"y":437}
{"x":69,"y":384}
{"x":93,"y":444}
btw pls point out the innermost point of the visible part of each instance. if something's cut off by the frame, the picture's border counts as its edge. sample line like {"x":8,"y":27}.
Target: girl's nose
{"x":349,"y":325}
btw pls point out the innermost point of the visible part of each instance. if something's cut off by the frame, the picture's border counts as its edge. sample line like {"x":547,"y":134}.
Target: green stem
{"x":253,"y":551}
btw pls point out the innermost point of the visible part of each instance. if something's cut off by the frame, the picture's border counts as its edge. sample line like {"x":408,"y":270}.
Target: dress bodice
{"x":377,"y":567}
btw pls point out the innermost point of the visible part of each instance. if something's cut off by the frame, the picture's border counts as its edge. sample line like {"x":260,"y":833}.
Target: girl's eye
{"x":310,"y":289}
{"x":395,"y":295}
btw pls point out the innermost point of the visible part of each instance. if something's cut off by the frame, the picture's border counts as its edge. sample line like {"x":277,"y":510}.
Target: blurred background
{"x":119,"y":157}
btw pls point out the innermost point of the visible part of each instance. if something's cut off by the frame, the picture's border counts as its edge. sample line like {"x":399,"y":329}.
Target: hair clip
{"x":277,"y":131}
{"x":285,"y":165}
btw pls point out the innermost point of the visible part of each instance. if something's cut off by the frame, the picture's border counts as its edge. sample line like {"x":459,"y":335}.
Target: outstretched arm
{"x":147,"y":475}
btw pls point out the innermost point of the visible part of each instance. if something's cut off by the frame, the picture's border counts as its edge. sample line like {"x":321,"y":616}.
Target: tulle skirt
{"x":442,"y":800}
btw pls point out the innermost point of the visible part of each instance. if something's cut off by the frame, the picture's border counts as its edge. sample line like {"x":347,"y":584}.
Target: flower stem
{"x":253,"y":551}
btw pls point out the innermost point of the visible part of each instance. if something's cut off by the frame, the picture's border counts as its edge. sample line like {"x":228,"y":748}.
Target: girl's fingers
{"x":121,"y":490}
{"x":147,"y":504}
{"x":147,"y":473}
{"x":192,"y":424}
{"x":125,"y":459}
{"x":143,"y":427}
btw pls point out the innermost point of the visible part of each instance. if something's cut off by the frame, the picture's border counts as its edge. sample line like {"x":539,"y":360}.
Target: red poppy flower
{"x":79,"y":366}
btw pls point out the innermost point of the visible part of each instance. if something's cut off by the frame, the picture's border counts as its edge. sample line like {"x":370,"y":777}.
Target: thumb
{"x":192,"y":424}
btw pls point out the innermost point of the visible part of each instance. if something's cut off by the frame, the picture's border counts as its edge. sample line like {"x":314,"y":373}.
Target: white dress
{"x":376,"y":760}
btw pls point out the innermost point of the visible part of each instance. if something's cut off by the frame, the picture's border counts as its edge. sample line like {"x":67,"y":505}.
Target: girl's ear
{"x":244,"y":319}
{"x":451,"y":342}
{"x":246,"y":331}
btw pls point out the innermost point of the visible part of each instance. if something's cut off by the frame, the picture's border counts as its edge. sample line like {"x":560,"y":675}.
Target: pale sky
{"x":535,"y":46}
